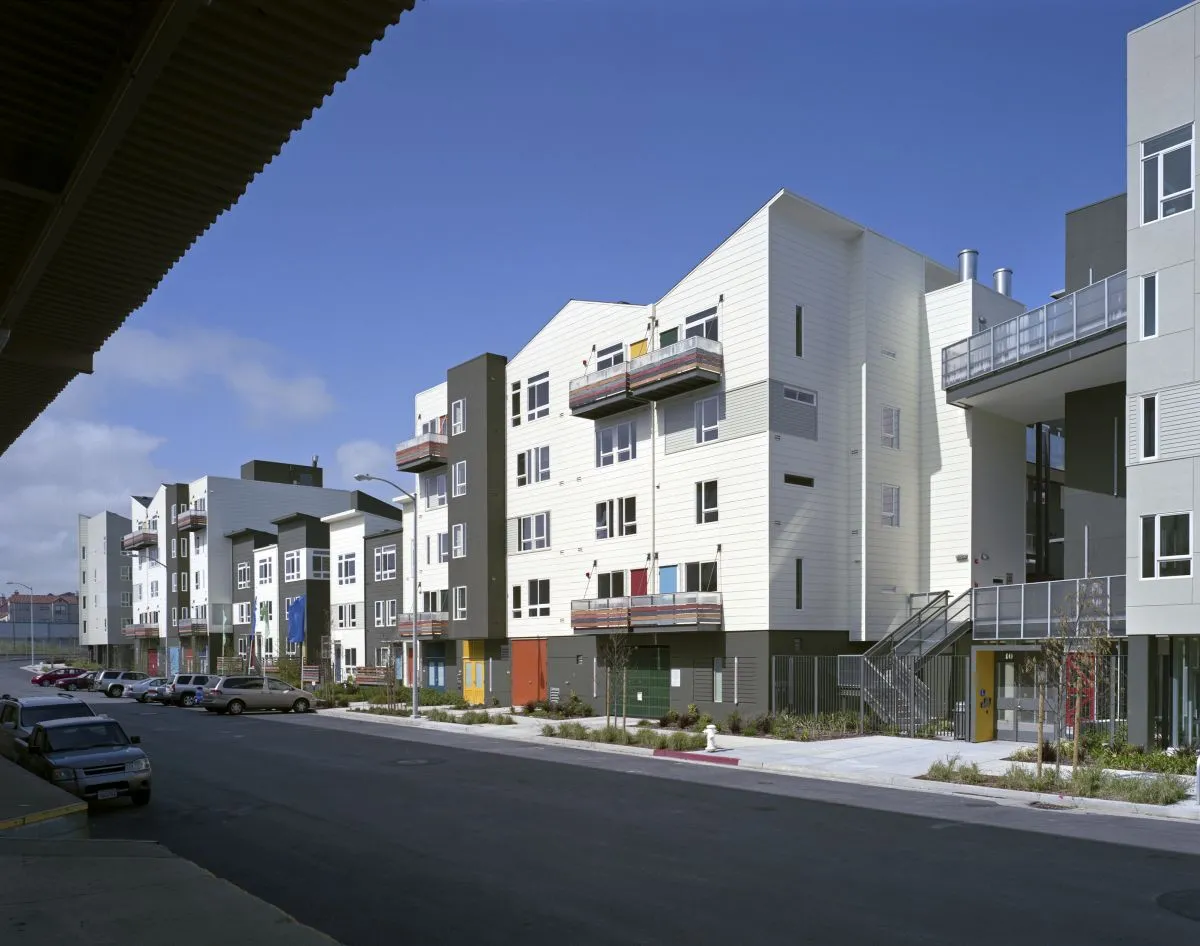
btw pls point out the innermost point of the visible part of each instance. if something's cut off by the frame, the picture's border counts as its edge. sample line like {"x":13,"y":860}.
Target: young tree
{"x":618,"y":650}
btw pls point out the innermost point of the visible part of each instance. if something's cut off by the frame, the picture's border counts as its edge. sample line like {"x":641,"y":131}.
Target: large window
{"x":347,"y":568}
{"x":243,"y":575}
{"x":702,"y":325}
{"x":1167,"y":174}
{"x":1150,"y":306}
{"x":385,"y":563}
{"x":458,"y":543}
{"x":266,"y":571}
{"x":460,"y":603}
{"x":533,"y":466}
{"x":612,"y":355}
{"x":347,"y":615}
{"x":443,"y":541}
{"x":616,"y":444}
{"x":458,"y":418}
{"x":706,"y":501}
{"x":539,"y":598}
{"x":320,"y":563}
{"x":433,"y":488}
{"x":700,"y":576}
{"x":890,"y":428}
{"x":537,"y":396}
{"x":533,"y":532}
{"x":890,"y":505}
{"x":291,"y":565}
{"x":800,"y":396}
{"x":708,"y":413}
{"x":458,"y":478}
{"x":610,"y":585}
{"x":1167,"y":545}
{"x":1148,"y":446}
{"x":385,"y":613}
{"x":616,"y":517}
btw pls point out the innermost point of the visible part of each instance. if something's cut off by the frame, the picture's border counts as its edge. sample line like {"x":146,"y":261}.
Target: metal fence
{"x":889,"y":695}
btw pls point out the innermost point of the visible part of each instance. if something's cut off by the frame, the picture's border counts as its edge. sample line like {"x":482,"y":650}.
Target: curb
{"x":696,"y":757}
{"x":49,"y":814}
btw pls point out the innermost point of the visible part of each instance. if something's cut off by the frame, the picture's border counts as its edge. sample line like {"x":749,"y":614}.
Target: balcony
{"x":1043,"y":609}
{"x":191,"y":520}
{"x":1093,"y":311}
{"x":189,"y":627}
{"x":429,"y":624}
{"x":701,"y":610}
{"x":143,"y":537}
{"x":602,"y":393}
{"x":140,"y":631}
{"x":426,"y":452}
{"x":692,"y":363}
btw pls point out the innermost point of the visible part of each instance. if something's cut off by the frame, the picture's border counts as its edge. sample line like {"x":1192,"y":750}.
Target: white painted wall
{"x":101,"y":570}
{"x":267,"y":591}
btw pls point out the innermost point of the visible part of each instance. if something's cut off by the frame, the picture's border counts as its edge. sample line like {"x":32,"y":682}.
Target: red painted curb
{"x":696,"y":756}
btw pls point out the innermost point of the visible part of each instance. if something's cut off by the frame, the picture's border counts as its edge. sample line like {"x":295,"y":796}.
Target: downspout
{"x":862,"y":535}
{"x":652,"y":578}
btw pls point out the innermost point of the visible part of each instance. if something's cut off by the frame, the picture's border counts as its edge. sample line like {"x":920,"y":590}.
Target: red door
{"x":152,"y":663}
{"x":637,"y":581}
{"x":528,"y":671}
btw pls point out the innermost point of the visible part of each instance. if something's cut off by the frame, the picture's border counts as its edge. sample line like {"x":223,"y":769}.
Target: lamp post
{"x":414,"y":683}
{"x":29,"y":588}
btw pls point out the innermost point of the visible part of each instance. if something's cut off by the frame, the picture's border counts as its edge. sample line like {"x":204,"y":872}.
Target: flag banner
{"x":295,"y":621}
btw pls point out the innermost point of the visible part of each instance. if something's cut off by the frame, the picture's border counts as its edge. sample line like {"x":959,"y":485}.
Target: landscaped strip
{"x":615,"y":735}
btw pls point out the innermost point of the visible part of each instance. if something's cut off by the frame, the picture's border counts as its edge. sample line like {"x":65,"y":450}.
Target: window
{"x":174,"y":512}
{"x":800,"y":396}
{"x":173,"y":548}
{"x":706,"y":501}
{"x":1150,"y":306}
{"x":266,"y":611}
{"x":383,"y":656}
{"x":443,"y":546}
{"x":537,"y":396}
{"x":1167,"y":174}
{"x":1149,"y":444}
{"x":269,"y":646}
{"x":718,"y":679}
{"x":795,"y":479}
{"x":515,"y":403}
{"x":320,"y":563}
{"x":436,"y":600}
{"x":83,"y":551}
{"x":516,"y":601}
{"x":125,"y":573}
{"x":154,"y":588}
{"x":183,"y":581}
{"x":266,"y":571}
{"x":616,"y":517}
{"x":391,"y":612}
{"x":890,"y":505}
{"x":700,"y":576}
{"x":458,"y":421}
{"x":433,"y":488}
{"x":460,"y":603}
{"x":198,"y":543}
{"x":175,"y":617}
{"x":385,"y":563}
{"x":183,"y":547}
{"x":347,"y":615}
{"x":458,"y":544}
{"x":1167,"y":545}
{"x":350,"y":657}
{"x":701,"y":325}
{"x":347,"y":568}
{"x":533,"y":466}
{"x":242,"y":647}
{"x":174,"y":584}
{"x":799,"y":584}
{"x":533,"y":532}
{"x":242,"y":615}
{"x":799,"y":331}
{"x":610,"y":585}
{"x":243,"y":576}
{"x":458,"y":478}
{"x":890,"y":433}
{"x":539,"y":598}
{"x":385,"y":613}
{"x":612,"y":355}
{"x":291,"y":565}
{"x":708,"y":413}
{"x":616,"y":444}
{"x":293,"y":648}
{"x":126,"y":599}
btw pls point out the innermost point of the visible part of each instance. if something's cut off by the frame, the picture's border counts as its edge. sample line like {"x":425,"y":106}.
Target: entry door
{"x":668,"y":579}
{"x":474,"y":681}
{"x":638,"y":581}
{"x":1016,"y":701}
{"x":152,"y":662}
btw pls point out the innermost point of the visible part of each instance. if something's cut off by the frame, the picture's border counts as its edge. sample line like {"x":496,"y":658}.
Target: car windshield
{"x":65,"y":710}
{"x":90,"y":735}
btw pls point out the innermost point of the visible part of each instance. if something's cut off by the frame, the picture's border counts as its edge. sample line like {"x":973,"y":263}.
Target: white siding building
{"x":105,"y":590}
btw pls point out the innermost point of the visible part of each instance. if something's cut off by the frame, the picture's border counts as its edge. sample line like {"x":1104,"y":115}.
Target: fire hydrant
{"x":710,"y":734}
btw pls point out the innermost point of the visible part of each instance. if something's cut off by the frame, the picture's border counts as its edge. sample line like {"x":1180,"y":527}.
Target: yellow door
{"x":474,"y":670}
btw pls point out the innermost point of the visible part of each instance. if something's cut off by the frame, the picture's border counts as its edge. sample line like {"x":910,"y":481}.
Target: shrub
{"x":952,"y":769}
{"x":686,"y":741}
{"x":734,"y":723}
{"x":670,"y":721}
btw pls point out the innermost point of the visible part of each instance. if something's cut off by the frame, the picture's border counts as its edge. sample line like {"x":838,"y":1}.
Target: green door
{"x":647,"y":689}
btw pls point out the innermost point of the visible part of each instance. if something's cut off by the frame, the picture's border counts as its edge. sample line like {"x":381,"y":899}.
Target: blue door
{"x":668,"y":579}
{"x":435,"y":673}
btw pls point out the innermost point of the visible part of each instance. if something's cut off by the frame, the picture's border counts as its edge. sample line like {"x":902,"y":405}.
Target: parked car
{"x":82,"y":682}
{"x":144,"y":690}
{"x":186,"y":689}
{"x":51,"y":677}
{"x":235,"y":695}
{"x":92,"y":759}
{"x":19,"y":714}
{"x":113,"y":682}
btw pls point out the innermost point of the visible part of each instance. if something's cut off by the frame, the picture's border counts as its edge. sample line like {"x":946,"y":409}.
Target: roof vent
{"x":1002,"y":281}
{"x":968,"y":264}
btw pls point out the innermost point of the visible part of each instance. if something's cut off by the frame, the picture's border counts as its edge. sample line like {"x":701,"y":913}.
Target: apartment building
{"x":105,"y":588}
{"x":183,"y":573}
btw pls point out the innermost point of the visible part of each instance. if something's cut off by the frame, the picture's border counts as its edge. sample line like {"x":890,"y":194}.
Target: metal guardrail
{"x":1035,"y":611}
{"x":940,"y":628}
{"x":1087,"y":312}
{"x":937,"y":601}
{"x":701,"y":608}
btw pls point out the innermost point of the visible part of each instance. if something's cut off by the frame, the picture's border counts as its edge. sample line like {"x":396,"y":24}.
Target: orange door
{"x":528,"y":671}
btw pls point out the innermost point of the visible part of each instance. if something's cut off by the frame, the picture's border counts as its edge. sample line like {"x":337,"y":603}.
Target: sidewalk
{"x":885,"y":761}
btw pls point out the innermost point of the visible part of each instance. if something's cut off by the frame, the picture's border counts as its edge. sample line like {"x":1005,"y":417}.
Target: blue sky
{"x":493,"y":158}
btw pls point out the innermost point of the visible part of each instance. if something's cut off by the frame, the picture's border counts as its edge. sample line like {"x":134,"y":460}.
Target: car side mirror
{"x":135,"y":740}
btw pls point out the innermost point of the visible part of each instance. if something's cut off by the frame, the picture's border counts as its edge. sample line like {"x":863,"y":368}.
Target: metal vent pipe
{"x":968,"y":264}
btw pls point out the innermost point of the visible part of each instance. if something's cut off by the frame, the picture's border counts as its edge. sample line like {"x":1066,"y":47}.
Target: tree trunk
{"x":1041,"y":724}
{"x":1078,"y":714}
{"x":608,"y":694}
{"x":625,"y":698}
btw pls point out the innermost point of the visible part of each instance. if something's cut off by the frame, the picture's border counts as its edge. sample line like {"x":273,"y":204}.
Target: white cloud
{"x":59,"y":468}
{"x":252,"y":370}
{"x":368,"y":456}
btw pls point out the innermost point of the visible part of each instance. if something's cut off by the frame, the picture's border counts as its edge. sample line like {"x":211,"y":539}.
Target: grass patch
{"x":573,"y":708}
{"x":782,"y":726}
{"x":615,"y":735}
{"x":1097,"y":752}
{"x":1158,"y":788}
{"x":378,"y":696}
{"x":470,"y":718}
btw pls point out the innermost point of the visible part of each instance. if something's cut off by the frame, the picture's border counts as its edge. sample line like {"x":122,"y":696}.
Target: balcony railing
{"x":674,"y":369}
{"x":1093,"y":310}
{"x":701,"y":609}
{"x":140,"y":630}
{"x":143,"y":537}
{"x":1043,"y":609}
{"x":192,"y":626}
{"x":601,"y":393}
{"x":191,"y":520}
{"x":425,"y":452}
{"x":432,"y":623}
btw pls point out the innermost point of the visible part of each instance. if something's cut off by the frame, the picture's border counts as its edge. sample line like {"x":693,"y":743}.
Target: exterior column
{"x":1141,"y":689}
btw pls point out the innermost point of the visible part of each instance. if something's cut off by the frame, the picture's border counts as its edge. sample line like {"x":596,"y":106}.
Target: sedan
{"x":51,"y":677}
{"x":145,"y":690}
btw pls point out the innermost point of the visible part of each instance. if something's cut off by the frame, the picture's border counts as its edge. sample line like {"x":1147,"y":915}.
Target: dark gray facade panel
{"x":480,"y":384}
{"x":271,"y":471}
{"x":1095,"y":440}
{"x":1095,"y":242}
{"x":391,"y":589}
{"x":570,"y":663}
{"x":1141,"y":692}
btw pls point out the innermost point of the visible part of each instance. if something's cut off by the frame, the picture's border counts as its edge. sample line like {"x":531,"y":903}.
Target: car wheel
{"x":141,"y":798}
{"x":141,"y":697}
{"x":72,"y":686}
{"x":43,"y":683}
{"x":301,"y":705}
{"x":116,"y":692}
{"x":235,"y":707}
{"x":188,"y":699}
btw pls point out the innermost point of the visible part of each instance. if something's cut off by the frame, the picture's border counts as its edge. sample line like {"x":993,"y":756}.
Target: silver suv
{"x":186,"y":689}
{"x":19,"y":714}
{"x":114,"y":683}
{"x":92,"y":759}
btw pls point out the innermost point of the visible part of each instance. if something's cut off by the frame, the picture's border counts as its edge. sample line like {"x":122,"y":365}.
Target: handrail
{"x":594,"y":377}
{"x":889,"y":642}
{"x":420,"y":439}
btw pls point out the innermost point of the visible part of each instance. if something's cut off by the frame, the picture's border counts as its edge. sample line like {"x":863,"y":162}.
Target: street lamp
{"x":29,"y":588}
{"x":414,"y":683}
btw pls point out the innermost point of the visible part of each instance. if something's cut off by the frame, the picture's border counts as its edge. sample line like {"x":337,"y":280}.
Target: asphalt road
{"x":379,"y":834}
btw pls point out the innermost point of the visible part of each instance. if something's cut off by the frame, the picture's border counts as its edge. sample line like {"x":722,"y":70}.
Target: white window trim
{"x":1157,"y":157}
{"x":1141,"y":428}
{"x":458,"y":418}
{"x":1153,"y":279}
{"x":347,"y":568}
{"x":458,"y":540}
{"x":890,"y":438}
{"x":706,"y":432}
{"x":615,"y":454}
{"x":540,"y":609}
{"x":538,"y":382}
{"x":458,"y":478}
{"x":1159,"y":558}
{"x":533,"y":545}
{"x":294,"y":557}
{"x":382,"y":571}
{"x":248,"y":571}
{"x":894,"y":518}
{"x":610,"y":356}
{"x":800,"y":395}
{"x":459,"y":607}
{"x":706,"y":514}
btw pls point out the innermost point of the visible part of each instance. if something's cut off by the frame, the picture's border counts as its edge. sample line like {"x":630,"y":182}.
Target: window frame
{"x":704,"y":324}
{"x":293,"y":565}
{"x":1150,"y":292}
{"x":1158,"y":560}
{"x":893,"y":518}
{"x":443,"y":540}
{"x":382,"y":554}
{"x":458,"y":540}
{"x":706,"y":511}
{"x":799,"y":586}
{"x":538,"y":605}
{"x":458,"y":478}
{"x":537,"y":389}
{"x":1150,"y":400}
{"x":700,"y":570}
{"x":514,"y":396}
{"x":707,"y":431}
{"x":347,"y":568}
{"x":799,"y":479}
{"x":889,"y":430}
{"x":458,"y":417}
{"x":799,"y":395}
{"x":515,"y":602}
{"x":609,"y":576}
{"x":458,"y":603}
{"x":531,"y":543}
{"x":799,"y":331}
{"x":614,"y":454}
{"x":319,"y":558}
{"x":1156,"y":158}
{"x":610,"y":356}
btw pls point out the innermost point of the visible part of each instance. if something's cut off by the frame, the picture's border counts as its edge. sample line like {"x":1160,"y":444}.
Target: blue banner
{"x":295,"y":621}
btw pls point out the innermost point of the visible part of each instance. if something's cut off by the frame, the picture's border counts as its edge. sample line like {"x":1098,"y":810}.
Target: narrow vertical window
{"x":1149,"y":427}
{"x":799,"y":584}
{"x":799,"y":331}
{"x":1150,"y":306}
